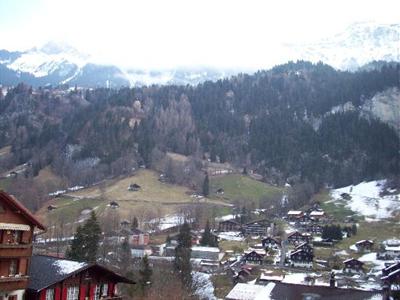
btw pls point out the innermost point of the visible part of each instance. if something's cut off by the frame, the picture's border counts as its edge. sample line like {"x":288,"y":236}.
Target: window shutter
{"x":57,"y":293}
{"x":111,"y":289}
{"x":43,"y":294}
{"x":82,"y":292}
{"x":64,"y":293}
{"x":92,"y":291}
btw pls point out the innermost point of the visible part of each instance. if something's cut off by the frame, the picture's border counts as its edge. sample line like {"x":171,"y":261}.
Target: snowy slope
{"x":366,"y":199}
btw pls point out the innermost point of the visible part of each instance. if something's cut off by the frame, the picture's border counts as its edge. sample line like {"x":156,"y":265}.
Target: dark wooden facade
{"x":16,"y":233}
{"x":253,"y":258}
{"x":229,"y":225}
{"x":353,"y":265}
{"x":74,"y":281}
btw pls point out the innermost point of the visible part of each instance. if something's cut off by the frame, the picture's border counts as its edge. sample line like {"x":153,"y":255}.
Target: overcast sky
{"x":167,"y":33}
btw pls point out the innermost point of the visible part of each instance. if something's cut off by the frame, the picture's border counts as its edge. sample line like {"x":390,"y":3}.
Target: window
{"x":17,"y":235}
{"x":12,"y":271}
{"x":50,"y":294}
{"x":97,"y":293}
{"x":72,"y":293}
{"x":104,"y":289}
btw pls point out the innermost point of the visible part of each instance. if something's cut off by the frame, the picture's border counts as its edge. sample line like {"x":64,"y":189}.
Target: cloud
{"x":160,"y":34}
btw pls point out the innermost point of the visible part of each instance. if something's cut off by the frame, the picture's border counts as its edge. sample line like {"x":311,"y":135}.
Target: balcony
{"x":11,"y":283}
{"x":15,"y":246}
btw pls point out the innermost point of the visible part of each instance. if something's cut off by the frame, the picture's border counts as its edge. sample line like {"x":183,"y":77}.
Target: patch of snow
{"x":68,"y":266}
{"x":170,"y":221}
{"x":365,"y":200}
{"x":231,"y":236}
{"x":226,"y":218}
{"x":203,"y":286}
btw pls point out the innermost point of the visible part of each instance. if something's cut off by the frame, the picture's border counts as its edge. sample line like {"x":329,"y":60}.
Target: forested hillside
{"x":280,"y":123}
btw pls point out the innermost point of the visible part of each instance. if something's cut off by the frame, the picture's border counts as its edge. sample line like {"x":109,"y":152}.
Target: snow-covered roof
{"x":205,"y":249}
{"x":364,"y":241}
{"x":68,"y":266}
{"x":317,"y":213}
{"x":294,"y":212}
{"x":243,"y":291}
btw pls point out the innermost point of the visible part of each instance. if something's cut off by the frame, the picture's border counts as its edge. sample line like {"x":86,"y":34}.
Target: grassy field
{"x":241,"y":187}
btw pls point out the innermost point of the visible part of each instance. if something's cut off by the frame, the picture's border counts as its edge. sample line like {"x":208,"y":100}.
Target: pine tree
{"x":206,"y":186}
{"x":76,"y":251}
{"x":135,"y":223}
{"x":145,"y":273}
{"x":183,"y":254}
{"x":84,"y":246}
{"x":207,"y":238}
{"x":92,"y":233}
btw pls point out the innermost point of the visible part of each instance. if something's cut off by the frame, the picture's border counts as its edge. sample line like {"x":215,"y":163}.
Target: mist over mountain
{"x":56,"y":63}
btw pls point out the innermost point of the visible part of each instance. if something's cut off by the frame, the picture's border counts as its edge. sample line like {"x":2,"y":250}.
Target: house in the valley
{"x":208,"y":253}
{"x":255,"y":257}
{"x":134,"y":187}
{"x":17,"y":225}
{"x":138,"y":237}
{"x":364,"y":245}
{"x":62,"y":279}
{"x":301,"y":258}
{"x":317,"y":216}
{"x":229,"y":225}
{"x":113,"y":205}
{"x":258,"y":227}
{"x":294,"y":215}
{"x":390,"y":249}
{"x":297,"y":237}
{"x":353,"y":265}
{"x":307,"y":247}
{"x":141,"y":251}
{"x":271,"y":242}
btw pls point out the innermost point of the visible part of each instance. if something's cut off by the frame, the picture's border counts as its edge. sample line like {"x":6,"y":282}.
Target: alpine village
{"x":280,"y":181}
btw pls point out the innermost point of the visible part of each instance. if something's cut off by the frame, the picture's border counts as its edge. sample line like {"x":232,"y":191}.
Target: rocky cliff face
{"x":385,"y":106}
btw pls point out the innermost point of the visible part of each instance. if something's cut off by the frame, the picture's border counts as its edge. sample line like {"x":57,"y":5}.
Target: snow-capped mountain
{"x":359,"y":44}
{"x":55,"y":63}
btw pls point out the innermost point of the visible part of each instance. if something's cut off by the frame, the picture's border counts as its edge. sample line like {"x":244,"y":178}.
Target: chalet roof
{"x":134,"y":185}
{"x":354,"y":260}
{"x":229,"y":221}
{"x":297,"y":252}
{"x":294,"y":233}
{"x":392,"y":267}
{"x":294,"y":212}
{"x":365,"y":242}
{"x":299,"y":292}
{"x":14,"y":203}
{"x":317,"y":213}
{"x":303,"y":245}
{"x":243,"y":291}
{"x":261,"y":222}
{"x":393,"y":274}
{"x":46,"y":271}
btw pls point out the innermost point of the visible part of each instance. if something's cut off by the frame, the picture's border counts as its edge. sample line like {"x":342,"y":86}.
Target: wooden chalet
{"x":353,"y":265}
{"x":138,"y":237}
{"x":113,"y":204}
{"x":305,"y":247}
{"x":134,"y":187}
{"x":364,"y":245}
{"x":254,"y":257}
{"x":301,"y":258}
{"x":229,"y":225}
{"x":62,"y":279}
{"x":271,"y":242}
{"x":256,"y":227}
{"x":391,"y":280}
{"x":16,"y":232}
{"x":294,"y":215}
{"x":317,"y":215}
{"x":298,"y":237}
